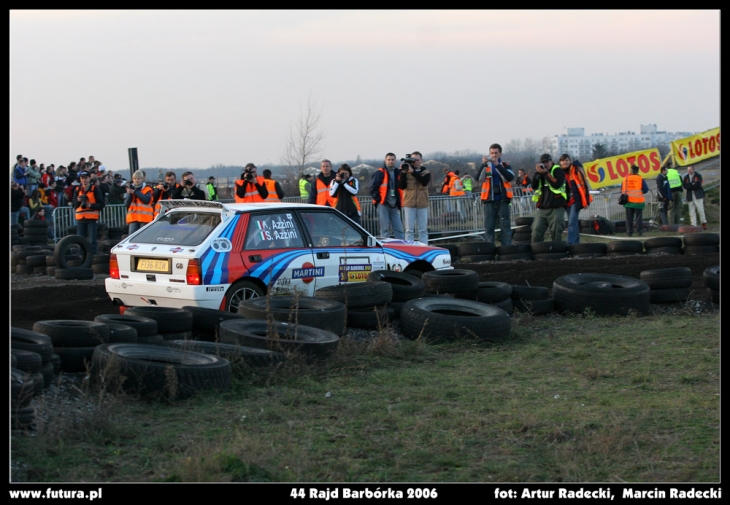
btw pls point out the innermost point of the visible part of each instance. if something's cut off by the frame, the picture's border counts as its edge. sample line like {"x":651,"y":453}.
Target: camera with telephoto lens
{"x":407,"y":162}
{"x":165,"y":186}
{"x":188,"y":183}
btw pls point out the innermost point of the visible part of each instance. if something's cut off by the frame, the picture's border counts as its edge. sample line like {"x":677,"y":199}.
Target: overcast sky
{"x":201,"y":88}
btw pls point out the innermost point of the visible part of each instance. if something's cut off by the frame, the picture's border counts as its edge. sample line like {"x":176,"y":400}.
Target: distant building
{"x":580,"y":146}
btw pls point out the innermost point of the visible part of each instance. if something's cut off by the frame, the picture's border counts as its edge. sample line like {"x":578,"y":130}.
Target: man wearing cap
{"x":88,"y":202}
{"x":212,"y":191}
{"x":320,"y":193}
{"x":305,"y":186}
{"x":250,"y":187}
{"x":551,"y":197}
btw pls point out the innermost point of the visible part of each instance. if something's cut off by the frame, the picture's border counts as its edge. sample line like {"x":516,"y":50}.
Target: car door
{"x":340,"y":248}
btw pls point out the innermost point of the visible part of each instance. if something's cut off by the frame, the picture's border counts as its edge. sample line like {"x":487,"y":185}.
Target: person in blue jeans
{"x":495,"y":177}
{"x":579,"y":196}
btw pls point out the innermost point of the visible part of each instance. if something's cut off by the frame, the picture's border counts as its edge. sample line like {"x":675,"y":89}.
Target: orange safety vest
{"x":158,"y":205}
{"x":271,"y":186}
{"x":452,"y":186}
{"x":139,"y":212}
{"x":632,"y":187}
{"x":323,"y":194}
{"x":81,"y":213}
{"x":383,"y":189}
{"x":251,"y":195}
{"x":487,"y":187}
{"x":334,"y":199}
{"x":575,"y":175}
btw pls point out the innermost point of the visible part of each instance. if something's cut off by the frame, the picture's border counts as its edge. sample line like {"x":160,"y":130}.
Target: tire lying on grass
{"x":604,"y":294}
{"x":320,"y":313}
{"x":711,"y":277}
{"x":158,"y":371}
{"x":359,"y":294}
{"x":441,"y":319}
{"x":667,"y":278}
{"x":233,"y":353}
{"x":169,"y":319}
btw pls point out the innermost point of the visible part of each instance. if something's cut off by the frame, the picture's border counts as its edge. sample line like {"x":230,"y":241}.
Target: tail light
{"x":113,"y":266}
{"x":193,"y":275}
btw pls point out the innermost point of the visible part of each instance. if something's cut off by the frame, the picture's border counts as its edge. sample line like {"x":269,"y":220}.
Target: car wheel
{"x":239,"y":291}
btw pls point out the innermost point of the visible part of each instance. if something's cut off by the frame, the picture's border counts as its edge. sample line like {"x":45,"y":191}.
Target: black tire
{"x":508,"y":250}
{"x":370,"y":318}
{"x":121,"y":333}
{"x":169,"y":319}
{"x":310,"y":311}
{"x":711,"y":277}
{"x":73,"y":333}
{"x":664,"y":250}
{"x":34,"y":223}
{"x":73,"y":240}
{"x":439,"y":319}
{"x":515,"y":257}
{"x":48,"y":374}
{"x":207,"y":320}
{"x":476,"y":258}
{"x":535,"y":307}
{"x":177,"y":335}
{"x":56,"y":362}
{"x":414,"y":272}
{"x":452,"y":248}
{"x":662,"y":242}
{"x":151,"y":339}
{"x":27,"y":361}
{"x":604,"y":294}
{"x":524,"y":220}
{"x":100,"y":269}
{"x":74,"y":273}
{"x":549,"y":247}
{"x":358,"y":294}
{"x":476,"y":249}
{"x":234,"y":353}
{"x":36,"y":260}
{"x":506,"y":305}
{"x":51,"y":272}
{"x":144,"y":325}
{"x":241,"y":290}
{"x":702,"y":239}
{"x":550,"y":256}
{"x":667,"y":278}
{"x":587,"y":248}
{"x":451,"y":281}
{"x":671,"y":295}
{"x":23,"y":269}
{"x":311,"y":342}
{"x":39,"y":270}
{"x":50,"y":260}
{"x":31,"y":341}
{"x":692,"y":250}
{"x":22,"y":418}
{"x":520,"y":292}
{"x":625,"y":246}
{"x":493,"y":292}
{"x":404,"y":286}
{"x":161,"y":371}
{"x":75,"y":359}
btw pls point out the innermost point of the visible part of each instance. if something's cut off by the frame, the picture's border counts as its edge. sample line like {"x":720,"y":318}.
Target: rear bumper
{"x":136,"y":294}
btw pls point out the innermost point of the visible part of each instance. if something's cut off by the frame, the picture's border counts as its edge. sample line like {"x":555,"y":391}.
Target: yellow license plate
{"x":150,"y":265}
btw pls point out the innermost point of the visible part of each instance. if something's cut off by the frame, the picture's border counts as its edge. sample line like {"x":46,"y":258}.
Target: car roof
{"x":236,"y":207}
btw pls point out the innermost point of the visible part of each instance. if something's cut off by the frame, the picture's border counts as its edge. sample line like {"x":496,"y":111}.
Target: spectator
{"x":276,"y":194}
{"x":305,"y":186}
{"x":138,"y":200}
{"x":117,"y":191}
{"x":20,"y":172}
{"x":320,"y":189}
{"x":551,"y":197}
{"x":211,"y":190}
{"x":188,"y":190}
{"x":692,"y":182}
{"x":165,"y":190}
{"x":451,"y":186}
{"x":414,"y":181}
{"x":160,"y":177}
{"x":88,"y":202}
{"x":634,"y":186}
{"x":675,"y":188}
{"x":40,"y":215}
{"x":495,"y":177}
{"x":388,"y":198}
{"x":664,"y":194}
{"x":34,"y":176}
{"x":35,"y":202}
{"x":467,"y":182}
{"x":343,"y":190}
{"x":61,"y":178}
{"x":579,"y":196}
{"x":250,"y":187}
{"x":523,"y":180}
{"x":104,"y":183}
{"x":17,"y":203}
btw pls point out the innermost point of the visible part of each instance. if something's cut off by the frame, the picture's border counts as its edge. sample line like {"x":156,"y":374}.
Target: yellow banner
{"x":696,"y":147}
{"x":613,"y":170}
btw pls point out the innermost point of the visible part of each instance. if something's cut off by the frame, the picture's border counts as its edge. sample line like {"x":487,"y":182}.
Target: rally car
{"x":213,"y":255}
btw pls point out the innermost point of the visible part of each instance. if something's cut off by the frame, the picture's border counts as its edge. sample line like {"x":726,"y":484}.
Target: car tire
{"x":451,"y":281}
{"x":711,"y":277}
{"x":169,"y":319}
{"x":604,"y":294}
{"x":319,"y":313}
{"x":144,"y":325}
{"x":207,"y":320}
{"x":549,"y":247}
{"x":233,"y":353}
{"x":667,"y":278}
{"x":359,"y":294}
{"x":31,"y":341}
{"x":241,"y":290}
{"x":653,"y":242}
{"x":404,"y":286}
{"x":664,"y":250}
{"x":73,"y":333}
{"x":692,"y":250}
{"x":73,"y":240}
{"x":625,"y":246}
{"x":702,"y":239}
{"x":670,"y":295}
{"x":476,"y":249}
{"x":370,"y":318}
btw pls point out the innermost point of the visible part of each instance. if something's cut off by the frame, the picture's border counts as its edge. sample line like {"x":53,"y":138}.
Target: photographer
{"x":414,"y":180}
{"x":188,"y":189}
{"x":343,"y":190}
{"x":496,"y":178}
{"x":164,"y":190}
{"x":117,"y":191}
{"x":88,"y":202}
{"x":250,"y":188}
{"x":138,"y":201}
{"x":551,"y":197}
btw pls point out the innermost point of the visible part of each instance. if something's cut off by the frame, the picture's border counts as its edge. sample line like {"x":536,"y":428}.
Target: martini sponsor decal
{"x":307,"y":273}
{"x":176,"y":249}
{"x":132,"y":247}
{"x":355,"y":273}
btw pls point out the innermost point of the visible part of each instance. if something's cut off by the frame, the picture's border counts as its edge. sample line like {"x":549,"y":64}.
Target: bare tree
{"x":305,"y":139}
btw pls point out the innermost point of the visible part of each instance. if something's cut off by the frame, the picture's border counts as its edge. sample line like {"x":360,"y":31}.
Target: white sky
{"x":201,"y":88}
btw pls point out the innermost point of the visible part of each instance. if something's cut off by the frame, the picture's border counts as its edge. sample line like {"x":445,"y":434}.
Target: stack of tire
{"x":494,"y":293}
{"x":206,"y":321}
{"x":549,"y":250}
{"x":73,"y":257}
{"x":144,"y":327}
{"x":711,"y":278}
{"x":172,"y":323}
{"x":666,"y":245}
{"x":475,"y":252}
{"x":16,"y":237}
{"x":235,"y":354}
{"x":534,"y":300}
{"x":36,"y":231}
{"x":514,"y":252}
{"x":624,"y":248}
{"x":322,"y":313}
{"x":73,"y":340}
{"x":33,"y":353}
{"x":601,"y":294}
{"x":22,"y":387}
{"x":587,"y":250}
{"x":701,"y":243}
{"x":366,"y":302}
{"x":668,"y":285}
{"x":25,"y":259}
{"x":522,"y":232}
{"x":453,"y":251}
{"x":405,"y":287}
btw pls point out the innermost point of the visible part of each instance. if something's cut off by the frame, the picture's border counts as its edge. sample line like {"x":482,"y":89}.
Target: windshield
{"x":179,"y":228}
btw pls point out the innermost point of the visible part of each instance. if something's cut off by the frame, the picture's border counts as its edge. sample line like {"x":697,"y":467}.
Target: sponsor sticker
{"x":354,"y":273}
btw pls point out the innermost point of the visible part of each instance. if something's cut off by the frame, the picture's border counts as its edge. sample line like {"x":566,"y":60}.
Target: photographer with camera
{"x":138,"y":201}
{"x":117,"y":191}
{"x":88,"y":202}
{"x":343,"y":190}
{"x":496,"y":178}
{"x":414,"y":180}
{"x":387,"y":198}
{"x":188,"y":189}
{"x":250,"y":187}
{"x":551,"y":196}
{"x":164,"y":190}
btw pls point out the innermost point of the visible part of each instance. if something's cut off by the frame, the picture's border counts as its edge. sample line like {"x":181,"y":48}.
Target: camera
{"x":542,"y":165}
{"x":187,"y":182}
{"x":165,"y":186}
{"x":131,"y":186}
{"x":247,"y":175}
{"x":407,"y":162}
{"x":84,"y":201}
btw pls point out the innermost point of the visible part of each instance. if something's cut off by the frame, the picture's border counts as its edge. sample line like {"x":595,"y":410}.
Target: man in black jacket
{"x":551,"y":197}
{"x":188,"y":190}
{"x":692,"y":182}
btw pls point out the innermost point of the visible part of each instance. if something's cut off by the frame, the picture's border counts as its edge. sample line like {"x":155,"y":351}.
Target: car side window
{"x":273,"y":231}
{"x":329,"y":229}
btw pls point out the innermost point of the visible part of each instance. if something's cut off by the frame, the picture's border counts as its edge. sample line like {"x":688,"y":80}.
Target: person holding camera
{"x":320,"y":194}
{"x":495,"y":177}
{"x":188,"y":189}
{"x":164,"y":190}
{"x":579,"y":194}
{"x":88,"y":202}
{"x":117,"y":191}
{"x":250,"y":187}
{"x":138,"y":200}
{"x":343,"y":190}
{"x":414,"y":181}
{"x":551,"y":197}
{"x":387,"y":198}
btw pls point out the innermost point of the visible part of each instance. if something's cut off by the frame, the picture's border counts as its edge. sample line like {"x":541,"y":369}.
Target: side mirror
{"x":372,"y":241}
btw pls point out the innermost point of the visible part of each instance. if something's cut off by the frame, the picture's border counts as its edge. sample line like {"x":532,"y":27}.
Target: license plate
{"x":153,"y":265}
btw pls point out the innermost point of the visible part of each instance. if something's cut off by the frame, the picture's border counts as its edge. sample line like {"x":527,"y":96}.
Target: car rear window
{"x":179,"y":228}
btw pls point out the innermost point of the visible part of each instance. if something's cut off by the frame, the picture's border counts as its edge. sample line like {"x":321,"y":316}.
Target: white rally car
{"x":214,"y":255}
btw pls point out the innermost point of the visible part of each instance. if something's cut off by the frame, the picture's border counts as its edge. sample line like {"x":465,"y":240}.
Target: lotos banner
{"x":696,"y":147}
{"x":611,"y":171}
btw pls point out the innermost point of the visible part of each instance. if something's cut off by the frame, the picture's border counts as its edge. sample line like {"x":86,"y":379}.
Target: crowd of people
{"x":559,"y":190}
